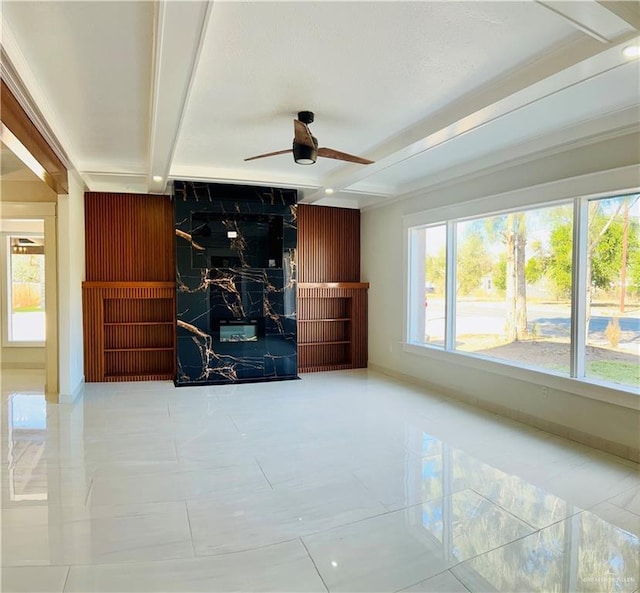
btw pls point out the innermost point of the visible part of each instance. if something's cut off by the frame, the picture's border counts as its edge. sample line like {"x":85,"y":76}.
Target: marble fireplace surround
{"x":235,"y":283}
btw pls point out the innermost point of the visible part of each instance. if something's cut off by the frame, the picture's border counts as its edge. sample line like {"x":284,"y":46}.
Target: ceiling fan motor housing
{"x":306,"y":117}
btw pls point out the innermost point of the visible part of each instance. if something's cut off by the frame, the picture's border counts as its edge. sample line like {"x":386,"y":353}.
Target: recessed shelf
{"x":129,"y":331}
{"x":136,"y":349}
{"x":140,"y":323}
{"x":323,"y":320}
{"x":324,"y":343}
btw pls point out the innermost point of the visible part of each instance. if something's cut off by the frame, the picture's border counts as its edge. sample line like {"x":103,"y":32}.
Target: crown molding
{"x":25,"y":100}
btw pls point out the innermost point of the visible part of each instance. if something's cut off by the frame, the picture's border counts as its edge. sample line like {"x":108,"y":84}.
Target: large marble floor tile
{"x":591,"y":482}
{"x":411,"y":479}
{"x":318,"y":461}
{"x":618,"y":516}
{"x":281,"y":568}
{"x":629,"y":500}
{"x":83,"y":535}
{"x":528,"y":502}
{"x":145,"y":487}
{"x":175,"y":482}
{"x":33,"y":579}
{"x":401,"y":548}
{"x":28,"y":484}
{"x":445,"y":582}
{"x":261,"y":518}
{"x":582,"y":553}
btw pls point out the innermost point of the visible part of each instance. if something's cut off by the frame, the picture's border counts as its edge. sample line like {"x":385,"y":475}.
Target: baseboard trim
{"x":23,"y":365}
{"x":572,"y":434}
{"x":71,"y":398}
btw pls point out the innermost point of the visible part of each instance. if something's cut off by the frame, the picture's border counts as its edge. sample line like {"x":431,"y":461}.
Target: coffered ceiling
{"x":138,"y":93}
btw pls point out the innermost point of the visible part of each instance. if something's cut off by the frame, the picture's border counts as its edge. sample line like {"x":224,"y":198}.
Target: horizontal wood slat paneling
{"x":129,"y":238}
{"x":328,"y":244}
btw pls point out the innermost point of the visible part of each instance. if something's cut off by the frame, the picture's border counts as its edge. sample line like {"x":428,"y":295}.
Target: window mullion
{"x":450,"y":290}
{"x":579,"y":287}
{"x":416,"y":286}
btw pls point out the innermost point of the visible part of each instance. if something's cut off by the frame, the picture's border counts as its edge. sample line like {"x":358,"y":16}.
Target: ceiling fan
{"x":305,"y":146}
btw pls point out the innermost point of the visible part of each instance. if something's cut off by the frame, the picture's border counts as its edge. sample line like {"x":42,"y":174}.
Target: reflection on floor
{"x":346,"y":481}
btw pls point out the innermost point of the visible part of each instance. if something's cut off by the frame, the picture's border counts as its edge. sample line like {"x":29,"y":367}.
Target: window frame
{"x":555,"y":194}
{"x":5,"y":296}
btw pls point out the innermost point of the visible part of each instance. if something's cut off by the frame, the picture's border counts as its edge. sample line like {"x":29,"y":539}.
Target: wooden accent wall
{"x":25,"y":132}
{"x":328,"y":244}
{"x":129,"y":238}
{"x":129,"y":295}
{"x":332,"y":302}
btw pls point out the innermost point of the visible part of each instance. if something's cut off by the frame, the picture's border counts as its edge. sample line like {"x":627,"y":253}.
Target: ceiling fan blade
{"x":302,"y":134}
{"x":263,"y":156}
{"x":330,"y":153}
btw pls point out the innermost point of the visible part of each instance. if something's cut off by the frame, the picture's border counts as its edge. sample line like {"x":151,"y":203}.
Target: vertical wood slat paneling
{"x":328,"y":244}
{"x":130,"y":274}
{"x":332,"y":328}
{"x":129,"y":238}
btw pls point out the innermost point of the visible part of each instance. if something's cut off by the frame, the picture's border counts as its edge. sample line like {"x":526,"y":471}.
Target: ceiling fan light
{"x":304,"y":155}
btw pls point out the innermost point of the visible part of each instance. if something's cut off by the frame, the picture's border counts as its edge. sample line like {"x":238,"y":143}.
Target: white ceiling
{"x":429,"y":90}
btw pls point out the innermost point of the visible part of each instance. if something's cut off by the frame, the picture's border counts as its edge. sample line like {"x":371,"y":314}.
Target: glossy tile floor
{"x":344,"y":481}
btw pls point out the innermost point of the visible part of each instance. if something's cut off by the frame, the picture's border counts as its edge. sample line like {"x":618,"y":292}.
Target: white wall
{"x":612,"y":425}
{"x":71,"y":273}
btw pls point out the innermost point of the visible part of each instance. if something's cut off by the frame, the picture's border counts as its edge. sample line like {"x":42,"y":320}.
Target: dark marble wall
{"x":236,"y":283}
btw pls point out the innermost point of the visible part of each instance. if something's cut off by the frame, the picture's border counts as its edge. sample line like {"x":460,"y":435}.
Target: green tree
{"x":634,"y":272}
{"x":473,"y":263}
{"x":436,"y":268}
{"x":559,"y":263}
{"x":604,"y":248}
{"x":26,"y":268}
{"x":499,"y":273}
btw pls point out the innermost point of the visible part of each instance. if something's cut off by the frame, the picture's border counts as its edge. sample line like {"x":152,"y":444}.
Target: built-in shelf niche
{"x":332,"y":330}
{"x":129,"y":330}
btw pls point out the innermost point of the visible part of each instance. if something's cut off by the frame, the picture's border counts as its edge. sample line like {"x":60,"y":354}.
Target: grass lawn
{"x":618,"y":371}
{"x":28,"y":310}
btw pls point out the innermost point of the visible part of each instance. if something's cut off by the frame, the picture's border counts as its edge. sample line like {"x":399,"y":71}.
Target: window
{"x":25,"y":289}
{"x":514,"y":291}
{"x":430,"y":284}
{"x":513,"y":287}
{"x":613,"y":290}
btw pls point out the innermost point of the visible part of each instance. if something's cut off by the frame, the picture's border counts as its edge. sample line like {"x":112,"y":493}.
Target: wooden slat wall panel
{"x":329,"y":252}
{"x":328,"y":244}
{"x":129,"y":237}
{"x":93,"y":323}
{"x":136,"y":308}
{"x":138,"y":336}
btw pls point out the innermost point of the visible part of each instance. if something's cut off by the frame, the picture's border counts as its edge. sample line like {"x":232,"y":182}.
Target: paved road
{"x":548,"y":320}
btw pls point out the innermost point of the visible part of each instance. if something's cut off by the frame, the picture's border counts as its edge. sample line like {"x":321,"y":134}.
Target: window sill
{"x":622,"y":396}
{"x":7,"y":344}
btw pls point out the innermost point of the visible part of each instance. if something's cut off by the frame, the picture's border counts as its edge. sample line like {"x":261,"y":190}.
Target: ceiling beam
{"x":558,"y":70}
{"x":592,"y":18}
{"x":180,"y":29}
